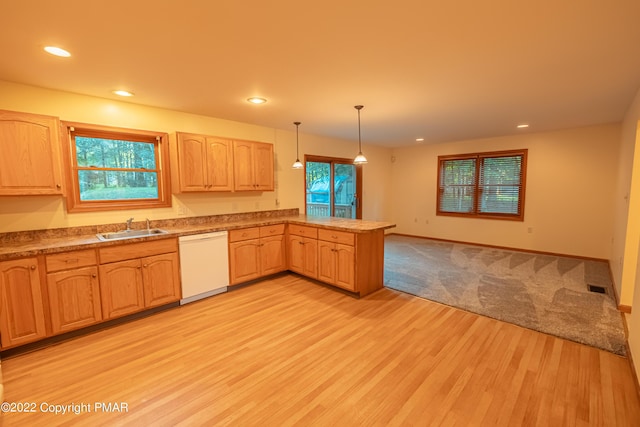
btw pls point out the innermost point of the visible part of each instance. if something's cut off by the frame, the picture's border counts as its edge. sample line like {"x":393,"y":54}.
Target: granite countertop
{"x":38,"y":242}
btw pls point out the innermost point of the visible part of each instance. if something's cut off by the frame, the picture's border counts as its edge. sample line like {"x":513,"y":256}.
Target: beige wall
{"x":628,"y":229}
{"x":37,"y":212}
{"x":628,"y":225}
{"x":568,"y":204}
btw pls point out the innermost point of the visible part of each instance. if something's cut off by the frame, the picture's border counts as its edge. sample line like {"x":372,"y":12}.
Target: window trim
{"x":161,"y":141}
{"x":479,"y":157}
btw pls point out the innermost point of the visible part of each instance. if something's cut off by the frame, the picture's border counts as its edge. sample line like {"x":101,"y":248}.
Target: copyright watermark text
{"x":61,"y":409}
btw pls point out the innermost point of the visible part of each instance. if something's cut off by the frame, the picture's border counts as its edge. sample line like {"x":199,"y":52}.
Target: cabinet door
{"x":21,"y":310}
{"x":310,"y":257}
{"x":272,"y":255}
{"x":161,"y":279}
{"x":219,"y":164}
{"x":121,"y":288}
{"x":244,"y":261}
{"x":326,"y":261}
{"x":296,"y":254}
{"x":192,"y":162}
{"x":243,"y":178}
{"x":345,"y":267}
{"x":30,"y":162}
{"x":74,"y":299}
{"x":263,"y":166}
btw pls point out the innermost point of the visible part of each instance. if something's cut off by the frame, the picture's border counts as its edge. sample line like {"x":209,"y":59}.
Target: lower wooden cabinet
{"x":121,"y":288}
{"x":84,"y":287}
{"x":244,"y":255}
{"x":303,"y":255}
{"x":351,"y":261}
{"x":326,"y":255}
{"x":73,"y":289}
{"x":256,"y":252}
{"x":74,"y":299}
{"x":160,"y":279}
{"x":336,"y":264}
{"x":138,"y":276}
{"x":22,"y":317}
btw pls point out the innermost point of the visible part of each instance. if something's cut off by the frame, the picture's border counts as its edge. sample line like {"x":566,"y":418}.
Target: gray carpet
{"x":541,"y":292}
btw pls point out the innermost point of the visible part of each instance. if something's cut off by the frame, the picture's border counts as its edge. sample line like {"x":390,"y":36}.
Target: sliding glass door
{"x":333,"y":187}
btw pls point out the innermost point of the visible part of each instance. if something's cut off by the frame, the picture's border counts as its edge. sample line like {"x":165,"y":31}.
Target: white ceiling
{"x":434,"y":69}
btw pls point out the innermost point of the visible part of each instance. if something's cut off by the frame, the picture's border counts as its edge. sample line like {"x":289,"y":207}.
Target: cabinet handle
{"x":72,"y":260}
{"x":58,"y":186}
{"x":33,"y":267}
{"x":145,"y":266}
{"x":94,"y":276}
{"x":334,"y":237}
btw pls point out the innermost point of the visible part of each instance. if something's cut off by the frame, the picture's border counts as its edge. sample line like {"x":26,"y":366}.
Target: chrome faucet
{"x":148,"y":224}
{"x":129,"y":224}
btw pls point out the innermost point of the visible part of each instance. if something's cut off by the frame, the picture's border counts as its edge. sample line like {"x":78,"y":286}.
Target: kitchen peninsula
{"x":344,"y":253}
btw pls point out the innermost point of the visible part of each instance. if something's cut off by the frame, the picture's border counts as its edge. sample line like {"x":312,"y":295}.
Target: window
{"x":112,"y":168}
{"x":486,"y":185}
{"x":333,"y":187}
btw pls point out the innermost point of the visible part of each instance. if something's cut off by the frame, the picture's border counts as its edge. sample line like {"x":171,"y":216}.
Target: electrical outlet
{"x":530,"y":230}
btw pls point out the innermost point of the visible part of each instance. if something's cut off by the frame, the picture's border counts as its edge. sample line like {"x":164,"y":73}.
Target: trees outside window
{"x":117,"y":168}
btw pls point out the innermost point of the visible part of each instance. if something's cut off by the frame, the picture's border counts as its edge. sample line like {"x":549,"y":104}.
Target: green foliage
{"x":117,"y":154}
{"x":129,"y":161}
{"x":119,"y":193}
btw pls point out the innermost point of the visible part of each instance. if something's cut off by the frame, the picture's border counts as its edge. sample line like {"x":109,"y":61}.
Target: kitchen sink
{"x":130,"y":234}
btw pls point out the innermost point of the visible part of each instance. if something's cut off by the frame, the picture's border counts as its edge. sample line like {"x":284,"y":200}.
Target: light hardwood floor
{"x":287,"y":351}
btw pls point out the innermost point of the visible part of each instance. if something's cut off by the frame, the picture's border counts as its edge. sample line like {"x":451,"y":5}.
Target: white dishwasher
{"x":204,"y":265}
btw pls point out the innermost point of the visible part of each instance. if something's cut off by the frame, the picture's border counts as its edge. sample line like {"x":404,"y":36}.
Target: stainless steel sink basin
{"x":130,"y":234}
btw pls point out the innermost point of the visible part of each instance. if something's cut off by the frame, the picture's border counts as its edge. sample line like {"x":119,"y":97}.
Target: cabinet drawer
{"x":244,"y":234}
{"x":67,"y":260}
{"x":336,"y":236}
{"x":137,"y":250}
{"x":271,"y":230}
{"x":304,"y":231}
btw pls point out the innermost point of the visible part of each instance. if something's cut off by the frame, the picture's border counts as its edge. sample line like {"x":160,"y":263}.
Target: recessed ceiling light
{"x":57,"y":51}
{"x":123,"y":93}
{"x":523,"y":126}
{"x":419,"y":139}
{"x":256,"y":100}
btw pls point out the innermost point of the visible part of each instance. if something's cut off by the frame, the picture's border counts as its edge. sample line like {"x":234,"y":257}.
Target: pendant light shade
{"x":297,"y":164}
{"x":360,"y":158}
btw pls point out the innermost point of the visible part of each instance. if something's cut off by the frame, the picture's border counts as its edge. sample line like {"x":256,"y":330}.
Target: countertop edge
{"x":63,"y":244}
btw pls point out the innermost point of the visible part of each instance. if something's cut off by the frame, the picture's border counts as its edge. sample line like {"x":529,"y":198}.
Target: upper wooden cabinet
{"x":205,"y":163}
{"x":30,"y":163}
{"x":253,"y":166}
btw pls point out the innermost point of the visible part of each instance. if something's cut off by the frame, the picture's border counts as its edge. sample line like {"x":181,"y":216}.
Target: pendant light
{"x":360,"y":158}
{"x":297,"y":164}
